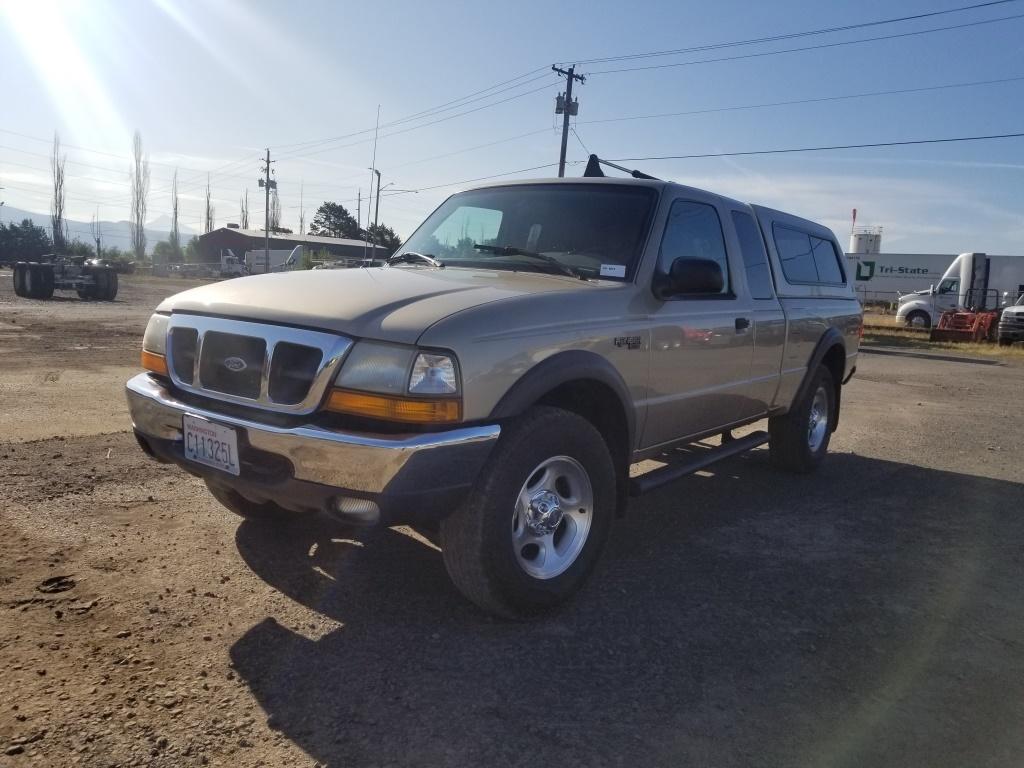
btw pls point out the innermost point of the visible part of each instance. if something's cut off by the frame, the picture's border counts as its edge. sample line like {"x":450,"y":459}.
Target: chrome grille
{"x":268,"y":366}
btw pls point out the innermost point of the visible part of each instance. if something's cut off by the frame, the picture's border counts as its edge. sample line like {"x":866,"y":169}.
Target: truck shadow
{"x":739,"y":618}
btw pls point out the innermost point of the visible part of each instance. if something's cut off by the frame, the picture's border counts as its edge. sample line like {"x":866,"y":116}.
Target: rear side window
{"x":826,"y":261}
{"x":796,"y":255}
{"x":807,"y":259}
{"x":755,"y":259}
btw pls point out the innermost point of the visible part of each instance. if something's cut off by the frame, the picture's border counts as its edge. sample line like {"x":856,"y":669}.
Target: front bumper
{"x":413,"y":477}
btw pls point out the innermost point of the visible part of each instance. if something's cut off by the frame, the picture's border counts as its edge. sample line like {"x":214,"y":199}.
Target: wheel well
{"x":600,"y":405}
{"x":835,"y":361}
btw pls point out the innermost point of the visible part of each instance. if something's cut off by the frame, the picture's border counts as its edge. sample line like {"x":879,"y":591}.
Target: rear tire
{"x":33,"y":281}
{"x":235,"y":502}
{"x":111,"y":293}
{"x":799,"y":440}
{"x":534,"y":524}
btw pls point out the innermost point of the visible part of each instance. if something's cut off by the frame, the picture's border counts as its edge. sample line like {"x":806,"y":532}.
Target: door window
{"x":949,"y":286}
{"x":694,"y":231}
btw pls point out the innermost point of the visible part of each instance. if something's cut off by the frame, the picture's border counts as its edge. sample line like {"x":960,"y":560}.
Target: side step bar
{"x":659,"y":477}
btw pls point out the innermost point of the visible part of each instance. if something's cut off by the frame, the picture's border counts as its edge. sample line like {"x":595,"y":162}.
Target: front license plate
{"x":211,"y":444}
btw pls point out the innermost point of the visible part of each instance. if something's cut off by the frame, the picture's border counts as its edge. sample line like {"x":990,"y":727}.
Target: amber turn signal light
{"x":415,"y":410}
{"x":154,"y":363}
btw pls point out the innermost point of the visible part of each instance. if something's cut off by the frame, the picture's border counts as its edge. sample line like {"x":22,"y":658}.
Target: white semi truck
{"x":973,"y":280}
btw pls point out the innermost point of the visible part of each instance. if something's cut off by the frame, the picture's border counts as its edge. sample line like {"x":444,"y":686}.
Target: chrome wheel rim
{"x":552,"y":517}
{"x":817,"y":422}
{"x":917,"y":321}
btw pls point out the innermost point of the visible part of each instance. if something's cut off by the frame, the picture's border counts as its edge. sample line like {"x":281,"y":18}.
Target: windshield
{"x":595,"y":231}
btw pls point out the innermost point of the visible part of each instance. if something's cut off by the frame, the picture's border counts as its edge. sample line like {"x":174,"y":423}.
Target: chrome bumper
{"x":345,"y":460}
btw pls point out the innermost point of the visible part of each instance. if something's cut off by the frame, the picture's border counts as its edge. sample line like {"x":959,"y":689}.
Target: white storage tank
{"x":866,"y":240}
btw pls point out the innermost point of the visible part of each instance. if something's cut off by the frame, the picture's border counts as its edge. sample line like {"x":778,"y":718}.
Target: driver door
{"x":701,"y":345}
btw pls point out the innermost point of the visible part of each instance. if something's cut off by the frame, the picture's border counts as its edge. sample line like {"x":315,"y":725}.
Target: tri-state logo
{"x":865,"y":270}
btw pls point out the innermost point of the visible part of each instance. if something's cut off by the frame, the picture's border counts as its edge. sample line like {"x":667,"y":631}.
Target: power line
{"x":814,"y":100}
{"x":807,"y":47}
{"x":446,"y":106}
{"x":417,"y":127}
{"x":789,"y":150}
{"x":792,"y":35}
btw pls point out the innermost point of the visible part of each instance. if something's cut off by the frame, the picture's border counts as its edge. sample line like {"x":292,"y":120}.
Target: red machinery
{"x":966,"y":325}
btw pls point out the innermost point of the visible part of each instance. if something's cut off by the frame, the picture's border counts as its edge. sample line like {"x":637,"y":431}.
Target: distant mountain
{"x":113,"y":232}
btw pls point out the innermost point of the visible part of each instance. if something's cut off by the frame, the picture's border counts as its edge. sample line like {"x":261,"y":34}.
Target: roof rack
{"x":594,"y":169}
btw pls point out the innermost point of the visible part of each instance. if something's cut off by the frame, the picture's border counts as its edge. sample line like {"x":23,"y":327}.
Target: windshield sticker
{"x":613,"y":270}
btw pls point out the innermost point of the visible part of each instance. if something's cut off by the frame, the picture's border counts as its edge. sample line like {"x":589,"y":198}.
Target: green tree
{"x":192,"y":254}
{"x":164,"y":252}
{"x":334,"y":220}
{"x":383,"y":235}
{"x":77,"y":248}
{"x":23,"y":242}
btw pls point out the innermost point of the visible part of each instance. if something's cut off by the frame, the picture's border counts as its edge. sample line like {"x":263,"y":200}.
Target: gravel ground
{"x":869,"y":614}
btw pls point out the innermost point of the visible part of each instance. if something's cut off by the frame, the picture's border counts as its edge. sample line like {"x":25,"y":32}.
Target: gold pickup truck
{"x":497,"y":378}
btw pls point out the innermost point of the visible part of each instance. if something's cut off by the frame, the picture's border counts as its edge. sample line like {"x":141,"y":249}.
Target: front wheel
{"x":798,"y":440}
{"x":534,"y":525}
{"x":918,"y":319}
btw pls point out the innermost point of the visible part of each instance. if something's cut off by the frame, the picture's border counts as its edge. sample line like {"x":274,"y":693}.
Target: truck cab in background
{"x":973,"y":280}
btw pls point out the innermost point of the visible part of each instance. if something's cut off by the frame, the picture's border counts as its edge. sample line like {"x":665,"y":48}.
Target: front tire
{"x":918,"y":319}
{"x":534,"y":525}
{"x":798,"y":440}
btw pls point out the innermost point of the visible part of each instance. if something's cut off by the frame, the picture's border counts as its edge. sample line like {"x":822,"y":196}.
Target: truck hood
{"x":387,"y":303}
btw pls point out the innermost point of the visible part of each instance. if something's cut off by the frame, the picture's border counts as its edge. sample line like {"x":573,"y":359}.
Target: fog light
{"x":361,"y":511}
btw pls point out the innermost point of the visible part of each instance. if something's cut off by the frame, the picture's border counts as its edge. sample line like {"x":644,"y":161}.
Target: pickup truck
{"x":497,"y":378}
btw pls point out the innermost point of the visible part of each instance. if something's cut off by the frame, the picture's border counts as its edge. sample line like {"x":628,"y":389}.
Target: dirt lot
{"x":870,"y":614}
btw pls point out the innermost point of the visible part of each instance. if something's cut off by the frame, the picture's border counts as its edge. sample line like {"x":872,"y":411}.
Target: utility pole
{"x":566,"y":107}
{"x":267,"y":183}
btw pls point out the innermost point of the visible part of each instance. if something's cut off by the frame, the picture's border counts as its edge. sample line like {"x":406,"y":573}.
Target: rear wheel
{"x":111,"y":292}
{"x":799,"y":440}
{"x":33,"y":281}
{"x":45,"y":281}
{"x":534,"y":525}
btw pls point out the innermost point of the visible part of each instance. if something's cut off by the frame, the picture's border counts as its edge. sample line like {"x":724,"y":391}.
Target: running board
{"x":659,"y":477}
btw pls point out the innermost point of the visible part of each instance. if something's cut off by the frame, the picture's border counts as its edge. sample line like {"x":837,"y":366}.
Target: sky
{"x":465,"y":91}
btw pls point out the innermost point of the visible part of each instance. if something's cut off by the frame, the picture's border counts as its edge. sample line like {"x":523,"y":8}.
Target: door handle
{"x":742,"y":323}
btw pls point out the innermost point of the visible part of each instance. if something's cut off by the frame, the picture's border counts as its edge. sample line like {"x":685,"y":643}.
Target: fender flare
{"x":831,"y":338}
{"x":562,"y":368}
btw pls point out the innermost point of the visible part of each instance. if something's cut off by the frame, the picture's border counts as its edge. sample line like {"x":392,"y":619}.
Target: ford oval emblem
{"x":235,"y":364}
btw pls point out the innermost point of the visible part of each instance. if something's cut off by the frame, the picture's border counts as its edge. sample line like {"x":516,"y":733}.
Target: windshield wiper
{"x":408,"y":257}
{"x":511,"y":250}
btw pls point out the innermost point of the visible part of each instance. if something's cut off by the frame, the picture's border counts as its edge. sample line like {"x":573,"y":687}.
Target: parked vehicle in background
{"x":231,"y":265}
{"x":1011,"y":322}
{"x":973,"y":281}
{"x":497,"y":379}
{"x":38,"y":280}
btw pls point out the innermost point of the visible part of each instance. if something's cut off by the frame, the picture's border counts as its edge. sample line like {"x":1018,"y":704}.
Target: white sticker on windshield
{"x":613,"y":270}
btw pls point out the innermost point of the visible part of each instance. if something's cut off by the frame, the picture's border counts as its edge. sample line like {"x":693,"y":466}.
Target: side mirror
{"x":931,"y":289}
{"x":691,"y":276}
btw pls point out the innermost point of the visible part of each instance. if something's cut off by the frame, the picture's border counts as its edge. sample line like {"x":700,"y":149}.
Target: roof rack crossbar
{"x":594,"y":169}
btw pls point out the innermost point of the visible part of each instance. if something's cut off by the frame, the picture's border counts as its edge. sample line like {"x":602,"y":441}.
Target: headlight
{"x":155,"y":338}
{"x":396,"y":383}
{"x":154,"y":345}
{"x":433,"y":375}
{"x":376,"y":368}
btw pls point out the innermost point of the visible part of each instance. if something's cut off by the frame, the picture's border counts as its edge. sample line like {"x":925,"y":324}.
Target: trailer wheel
{"x":46,"y":281}
{"x":33,"y":281}
{"x":111,"y":292}
{"x":19,"y":279}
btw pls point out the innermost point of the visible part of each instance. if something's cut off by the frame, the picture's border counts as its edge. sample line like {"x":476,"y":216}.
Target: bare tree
{"x":275,"y":211}
{"x":175,"y":238}
{"x":97,"y":232}
{"x":59,"y":225}
{"x":302,"y":209}
{"x":208,"y":214}
{"x":139,"y":176}
{"x":243,"y":213}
